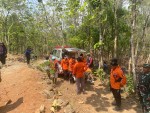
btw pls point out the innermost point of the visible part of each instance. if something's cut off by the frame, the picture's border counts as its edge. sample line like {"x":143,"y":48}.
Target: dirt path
{"x":24,"y":86}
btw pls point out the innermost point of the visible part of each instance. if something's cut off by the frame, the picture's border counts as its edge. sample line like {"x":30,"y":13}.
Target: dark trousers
{"x":66,"y":74}
{"x":3,"y":59}
{"x":117,"y":96}
{"x":71,"y":79}
{"x":80,"y":83}
{"x":28,"y":59}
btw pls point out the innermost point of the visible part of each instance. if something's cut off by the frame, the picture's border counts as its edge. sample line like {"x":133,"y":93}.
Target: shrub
{"x":130,"y":85}
{"x":100,"y":74}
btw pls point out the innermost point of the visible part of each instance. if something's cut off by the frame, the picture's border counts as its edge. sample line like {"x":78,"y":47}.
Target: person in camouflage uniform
{"x":144,"y":88}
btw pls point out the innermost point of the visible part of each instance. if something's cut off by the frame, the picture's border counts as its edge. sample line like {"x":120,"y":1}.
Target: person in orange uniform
{"x":65,"y":66}
{"x":78,"y":72}
{"x":72,"y":62}
{"x":83,"y":59}
{"x":115,"y":82}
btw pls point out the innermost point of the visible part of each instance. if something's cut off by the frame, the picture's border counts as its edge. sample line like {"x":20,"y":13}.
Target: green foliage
{"x":98,"y":45}
{"x":48,"y":63}
{"x":101,"y":74}
{"x":83,"y":7}
{"x":130,"y":86}
{"x":72,"y":22}
{"x":76,"y":41}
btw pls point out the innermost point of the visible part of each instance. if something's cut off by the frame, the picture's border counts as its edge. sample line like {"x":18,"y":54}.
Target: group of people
{"x":73,"y":69}
{"x":79,"y":69}
{"x":3,"y":53}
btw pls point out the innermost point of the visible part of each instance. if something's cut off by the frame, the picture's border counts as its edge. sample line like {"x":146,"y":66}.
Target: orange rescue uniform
{"x":65,"y":64}
{"x":116,"y":74}
{"x":79,"y":70}
{"x":71,"y":64}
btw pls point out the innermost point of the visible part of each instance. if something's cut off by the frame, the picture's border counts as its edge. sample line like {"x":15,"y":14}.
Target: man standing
{"x":3,"y":53}
{"x":65,"y":66}
{"x":116,"y":75}
{"x":72,"y":62}
{"x":78,"y":72}
{"x":28,"y":55}
{"x":144,"y":88}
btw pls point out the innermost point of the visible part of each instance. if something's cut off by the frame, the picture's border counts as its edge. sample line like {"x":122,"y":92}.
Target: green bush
{"x":130,"y":85}
{"x":100,"y":74}
{"x":47,"y":63}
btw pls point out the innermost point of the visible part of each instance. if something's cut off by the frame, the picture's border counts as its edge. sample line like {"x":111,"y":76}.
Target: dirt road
{"x":24,"y":86}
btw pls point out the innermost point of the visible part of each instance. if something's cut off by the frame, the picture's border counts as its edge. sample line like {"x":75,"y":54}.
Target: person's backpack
{"x":123,"y":80}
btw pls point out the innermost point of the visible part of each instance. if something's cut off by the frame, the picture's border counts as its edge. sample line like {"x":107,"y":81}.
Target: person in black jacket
{"x":28,"y":54}
{"x":3,"y":53}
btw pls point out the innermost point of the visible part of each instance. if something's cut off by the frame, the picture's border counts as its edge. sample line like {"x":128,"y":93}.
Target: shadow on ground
{"x":101,"y":102}
{"x":97,"y":101}
{"x":10,"y":107}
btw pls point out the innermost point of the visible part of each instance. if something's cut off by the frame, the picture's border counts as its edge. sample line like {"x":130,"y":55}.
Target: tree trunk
{"x":129,"y":66}
{"x":138,"y":48}
{"x":115,"y":30}
{"x":148,"y":59}
{"x":143,"y":33}
{"x":100,"y":50}
{"x":133,"y":21}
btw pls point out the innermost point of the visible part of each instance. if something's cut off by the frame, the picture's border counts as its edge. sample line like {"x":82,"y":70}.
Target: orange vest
{"x":71,"y":64}
{"x":79,"y":70}
{"x":65,"y":64}
{"x":115,"y":75}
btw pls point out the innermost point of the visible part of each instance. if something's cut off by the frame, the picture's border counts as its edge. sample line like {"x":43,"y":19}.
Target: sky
{"x":32,"y":1}
{"x":36,"y":1}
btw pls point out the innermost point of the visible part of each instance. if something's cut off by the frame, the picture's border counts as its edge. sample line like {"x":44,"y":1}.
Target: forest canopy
{"x":112,"y":28}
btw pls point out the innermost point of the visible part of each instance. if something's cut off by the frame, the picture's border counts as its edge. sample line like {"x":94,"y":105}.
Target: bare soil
{"x":24,"y":85}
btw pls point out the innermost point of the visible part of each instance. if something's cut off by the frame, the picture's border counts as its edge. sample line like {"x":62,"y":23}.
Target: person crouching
{"x":78,"y":72}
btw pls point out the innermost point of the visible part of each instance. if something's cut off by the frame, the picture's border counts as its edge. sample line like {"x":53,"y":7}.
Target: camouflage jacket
{"x":144,"y":85}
